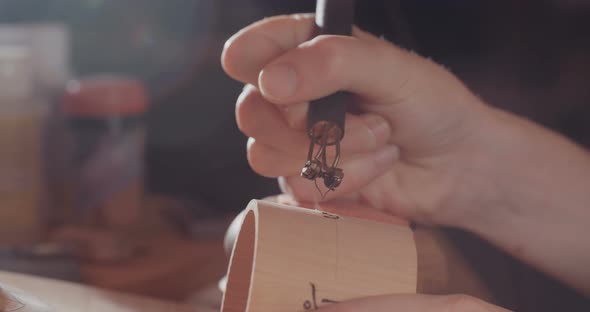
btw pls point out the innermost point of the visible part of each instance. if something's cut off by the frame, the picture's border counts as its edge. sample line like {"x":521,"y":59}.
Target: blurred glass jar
{"x":49,"y":48}
{"x":21,"y":180}
{"x":106,"y":128}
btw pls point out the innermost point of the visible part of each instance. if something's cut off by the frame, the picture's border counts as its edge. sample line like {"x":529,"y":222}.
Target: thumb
{"x":415,"y":303}
{"x":364,"y":65}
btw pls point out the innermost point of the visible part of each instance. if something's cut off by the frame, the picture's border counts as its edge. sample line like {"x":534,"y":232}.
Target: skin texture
{"x":419,"y":145}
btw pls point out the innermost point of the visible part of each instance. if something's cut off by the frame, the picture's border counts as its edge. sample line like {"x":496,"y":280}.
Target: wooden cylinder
{"x":293,"y":259}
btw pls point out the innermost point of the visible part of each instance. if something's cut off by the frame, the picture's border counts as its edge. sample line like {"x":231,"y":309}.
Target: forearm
{"x":542,"y":212}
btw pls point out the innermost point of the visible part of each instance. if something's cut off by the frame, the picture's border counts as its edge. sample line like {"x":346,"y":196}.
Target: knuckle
{"x":464,"y":303}
{"x":330,"y":49}
{"x":254,"y":156}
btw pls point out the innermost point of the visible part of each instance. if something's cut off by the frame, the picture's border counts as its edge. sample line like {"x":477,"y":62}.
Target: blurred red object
{"x":104,"y":96}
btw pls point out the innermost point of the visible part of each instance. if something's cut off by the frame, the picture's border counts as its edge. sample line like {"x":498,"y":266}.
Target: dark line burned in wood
{"x":312,"y":305}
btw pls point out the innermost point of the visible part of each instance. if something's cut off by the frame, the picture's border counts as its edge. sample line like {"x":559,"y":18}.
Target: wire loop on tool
{"x":326,"y":116}
{"x":317,"y":166}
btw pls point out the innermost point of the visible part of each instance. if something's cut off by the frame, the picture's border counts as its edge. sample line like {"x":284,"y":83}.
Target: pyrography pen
{"x":325,"y":118}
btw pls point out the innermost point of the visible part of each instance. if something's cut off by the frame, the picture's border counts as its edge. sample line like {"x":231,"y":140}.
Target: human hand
{"x":419,"y":144}
{"x":414,"y":303}
{"x":415,"y":145}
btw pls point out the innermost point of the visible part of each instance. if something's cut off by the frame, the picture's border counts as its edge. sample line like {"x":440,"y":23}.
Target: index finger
{"x":249,"y":50}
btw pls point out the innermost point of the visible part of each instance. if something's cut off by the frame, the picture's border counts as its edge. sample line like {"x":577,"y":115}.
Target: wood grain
{"x":289,"y":259}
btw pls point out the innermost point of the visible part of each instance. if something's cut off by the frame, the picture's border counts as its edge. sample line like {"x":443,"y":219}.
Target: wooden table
{"x":25,"y":293}
{"x":172,"y":268}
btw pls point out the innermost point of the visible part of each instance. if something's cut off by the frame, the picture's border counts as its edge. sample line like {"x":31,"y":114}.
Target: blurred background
{"x":117,"y":119}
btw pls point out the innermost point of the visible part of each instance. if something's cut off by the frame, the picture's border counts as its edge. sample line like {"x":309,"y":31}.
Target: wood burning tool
{"x":325,"y":118}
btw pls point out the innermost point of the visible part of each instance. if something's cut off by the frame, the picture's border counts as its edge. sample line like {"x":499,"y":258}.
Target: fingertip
{"x":255,"y":157}
{"x":244,"y":104}
{"x":270,"y":162}
{"x":228,"y":55}
{"x":284,"y":185}
{"x":249,"y":50}
{"x":299,"y":188}
{"x":244,"y":54}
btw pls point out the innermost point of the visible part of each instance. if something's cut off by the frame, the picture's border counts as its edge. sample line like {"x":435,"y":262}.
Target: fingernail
{"x":278,"y":81}
{"x":387,"y":155}
{"x":379,"y":127}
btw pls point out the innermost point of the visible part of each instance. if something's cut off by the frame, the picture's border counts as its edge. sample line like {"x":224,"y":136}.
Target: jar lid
{"x":102,"y":96}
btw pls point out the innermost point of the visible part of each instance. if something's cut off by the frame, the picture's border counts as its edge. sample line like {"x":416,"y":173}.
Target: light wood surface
{"x":293,"y":259}
{"x":26,"y":293}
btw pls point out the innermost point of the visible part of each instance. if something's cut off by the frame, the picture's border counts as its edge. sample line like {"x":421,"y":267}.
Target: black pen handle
{"x":333,"y":17}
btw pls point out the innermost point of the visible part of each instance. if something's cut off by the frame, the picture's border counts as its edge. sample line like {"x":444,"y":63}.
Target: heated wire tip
{"x":324,"y":135}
